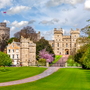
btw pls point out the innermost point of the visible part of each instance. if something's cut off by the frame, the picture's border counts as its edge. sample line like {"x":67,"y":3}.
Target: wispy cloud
{"x":52,"y":3}
{"x":53,"y":21}
{"x":17,"y":10}
{"x":87,"y":4}
{"x":5,"y":3}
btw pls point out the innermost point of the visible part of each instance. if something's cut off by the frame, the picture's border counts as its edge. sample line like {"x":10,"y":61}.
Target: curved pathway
{"x":47,"y":72}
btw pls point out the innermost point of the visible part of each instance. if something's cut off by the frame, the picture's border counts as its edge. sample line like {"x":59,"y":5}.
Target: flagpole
{"x":3,"y":15}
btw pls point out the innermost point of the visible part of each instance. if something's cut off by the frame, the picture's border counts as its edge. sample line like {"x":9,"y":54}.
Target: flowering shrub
{"x":45,"y":55}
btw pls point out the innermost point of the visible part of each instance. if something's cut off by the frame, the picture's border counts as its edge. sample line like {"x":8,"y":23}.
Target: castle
{"x":4,"y":35}
{"x":63,"y":44}
{"x":23,"y":52}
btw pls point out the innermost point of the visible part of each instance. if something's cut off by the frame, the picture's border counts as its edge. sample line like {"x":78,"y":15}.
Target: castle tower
{"x":38,"y":36}
{"x":4,"y":34}
{"x":24,"y":49}
{"x":27,"y":52}
{"x":4,"y":31}
{"x":58,"y":41}
{"x":74,"y":35}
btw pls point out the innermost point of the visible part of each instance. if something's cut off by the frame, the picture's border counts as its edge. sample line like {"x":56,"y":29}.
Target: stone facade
{"x":23,"y":52}
{"x":63,"y":44}
{"x":4,"y":31}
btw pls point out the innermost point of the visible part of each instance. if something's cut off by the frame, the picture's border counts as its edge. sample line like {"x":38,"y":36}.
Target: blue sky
{"x":45,"y":15}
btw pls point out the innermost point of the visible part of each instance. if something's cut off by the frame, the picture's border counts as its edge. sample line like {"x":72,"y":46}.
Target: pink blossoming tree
{"x":45,"y":55}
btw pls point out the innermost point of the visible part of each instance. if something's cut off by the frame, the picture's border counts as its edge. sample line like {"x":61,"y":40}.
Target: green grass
{"x":57,"y":57}
{"x":71,"y":62}
{"x":63,"y":79}
{"x":16,"y":73}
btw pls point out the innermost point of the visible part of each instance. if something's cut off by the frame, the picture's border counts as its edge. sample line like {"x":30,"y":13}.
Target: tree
{"x":13,"y":39}
{"x":5,"y":59}
{"x":86,"y":59}
{"x":86,"y":30}
{"x":27,"y":32}
{"x":3,"y":41}
{"x":45,"y":55}
{"x":80,"y":52}
{"x":43,"y":44}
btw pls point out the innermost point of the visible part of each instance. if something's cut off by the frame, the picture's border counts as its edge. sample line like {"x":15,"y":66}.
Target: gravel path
{"x":47,"y":72}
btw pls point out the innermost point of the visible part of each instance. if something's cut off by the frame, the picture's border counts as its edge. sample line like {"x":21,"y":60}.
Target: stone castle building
{"x":23,"y":52}
{"x":64,"y":44}
{"x":4,"y":35}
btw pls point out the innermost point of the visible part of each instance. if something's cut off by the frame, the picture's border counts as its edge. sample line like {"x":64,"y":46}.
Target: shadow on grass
{"x":4,"y":70}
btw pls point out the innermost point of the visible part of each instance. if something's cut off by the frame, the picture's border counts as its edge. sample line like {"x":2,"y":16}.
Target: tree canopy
{"x":27,"y":32}
{"x":43,"y":44}
{"x":5,"y":59}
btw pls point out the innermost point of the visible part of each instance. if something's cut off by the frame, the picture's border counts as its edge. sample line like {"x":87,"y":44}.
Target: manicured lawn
{"x":63,"y":79}
{"x":16,"y":73}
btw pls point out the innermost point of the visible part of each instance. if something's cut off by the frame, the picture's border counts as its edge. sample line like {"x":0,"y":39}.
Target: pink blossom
{"x":44,"y":54}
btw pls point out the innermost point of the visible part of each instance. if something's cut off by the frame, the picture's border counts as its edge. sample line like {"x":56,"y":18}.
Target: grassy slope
{"x":57,"y":57}
{"x":63,"y":79}
{"x":16,"y":73}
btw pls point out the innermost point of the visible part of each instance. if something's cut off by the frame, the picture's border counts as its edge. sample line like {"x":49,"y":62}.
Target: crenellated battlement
{"x":2,"y":24}
{"x":58,"y":31}
{"x":77,"y":31}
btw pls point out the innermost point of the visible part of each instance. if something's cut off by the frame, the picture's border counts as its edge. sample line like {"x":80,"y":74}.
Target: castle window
{"x":52,"y":45}
{"x":57,"y":44}
{"x":57,"y":35}
{"x":13,"y":45}
{"x":13,"y":56}
{"x":63,"y":45}
{"x":13,"y":50}
{"x":75,"y":45}
{"x":17,"y":56}
{"x":57,"y":48}
{"x":66,"y":45}
{"x":8,"y":50}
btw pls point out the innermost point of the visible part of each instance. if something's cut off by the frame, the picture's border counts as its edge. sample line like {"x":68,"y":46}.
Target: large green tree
{"x":80,"y":53}
{"x":5,"y":59}
{"x":86,"y":59}
{"x":43,"y":44}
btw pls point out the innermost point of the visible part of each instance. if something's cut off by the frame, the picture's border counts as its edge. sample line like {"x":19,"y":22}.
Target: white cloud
{"x":47,"y":34}
{"x":6,"y":21}
{"x":5,"y":3}
{"x":48,"y":22}
{"x":19,"y":24}
{"x":52,"y":3}
{"x":31,"y":21}
{"x":17,"y":9}
{"x":87,"y":4}
{"x":12,"y":28}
